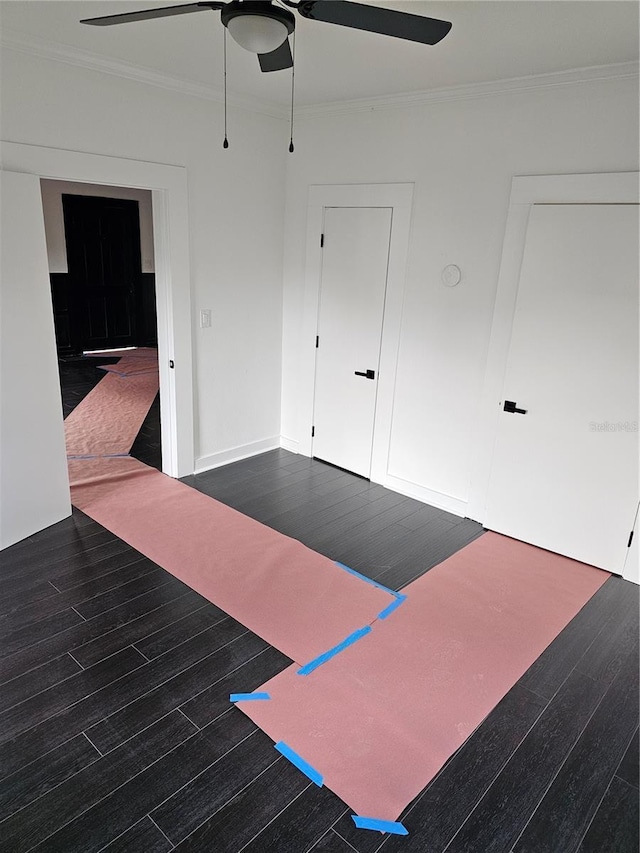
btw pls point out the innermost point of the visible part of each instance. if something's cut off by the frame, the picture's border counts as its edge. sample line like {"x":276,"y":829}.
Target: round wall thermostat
{"x":451,"y":275}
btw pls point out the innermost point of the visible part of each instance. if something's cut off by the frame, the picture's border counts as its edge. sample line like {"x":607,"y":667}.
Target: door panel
{"x":632,"y":562}
{"x":352,"y":293}
{"x":565,"y":474}
{"x":103,"y":252}
{"x":34,"y":485}
{"x":96,"y":318}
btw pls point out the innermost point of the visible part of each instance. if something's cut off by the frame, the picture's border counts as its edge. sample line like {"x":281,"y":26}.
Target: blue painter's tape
{"x":248,"y":697}
{"x":394,"y":604}
{"x":391,"y":826}
{"x":367,"y":580}
{"x":325,"y":656}
{"x":299,"y":762}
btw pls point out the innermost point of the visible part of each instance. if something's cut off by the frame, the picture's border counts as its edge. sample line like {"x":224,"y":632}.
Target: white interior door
{"x":34,"y":485}
{"x":632,"y":563}
{"x":352,"y":296}
{"x":565,"y":474}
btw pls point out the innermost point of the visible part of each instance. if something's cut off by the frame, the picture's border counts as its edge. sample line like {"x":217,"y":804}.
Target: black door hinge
{"x":317,"y":341}
{"x":322,"y":241}
{"x":630,"y":539}
{"x":313,"y":431}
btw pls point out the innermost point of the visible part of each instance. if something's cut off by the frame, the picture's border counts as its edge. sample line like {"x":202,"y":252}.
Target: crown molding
{"x":33,"y":46}
{"x":515,"y":85}
{"x":43,"y":49}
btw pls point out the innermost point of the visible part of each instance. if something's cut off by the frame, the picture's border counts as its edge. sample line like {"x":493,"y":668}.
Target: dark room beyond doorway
{"x":104,"y":301}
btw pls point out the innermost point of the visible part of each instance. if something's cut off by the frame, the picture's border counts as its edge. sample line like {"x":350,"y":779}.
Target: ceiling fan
{"x":263,"y":27}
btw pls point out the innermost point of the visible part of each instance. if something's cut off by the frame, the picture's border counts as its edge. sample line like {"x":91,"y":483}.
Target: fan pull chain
{"x":293,"y":80}
{"x":225,"y":144}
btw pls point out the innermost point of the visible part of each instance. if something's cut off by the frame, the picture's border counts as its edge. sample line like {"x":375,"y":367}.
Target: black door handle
{"x":510,"y":406}
{"x":368,"y":374}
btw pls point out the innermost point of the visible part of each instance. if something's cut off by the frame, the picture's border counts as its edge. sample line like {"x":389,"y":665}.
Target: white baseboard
{"x":289,"y":444}
{"x":456,"y":506}
{"x":234,"y":454}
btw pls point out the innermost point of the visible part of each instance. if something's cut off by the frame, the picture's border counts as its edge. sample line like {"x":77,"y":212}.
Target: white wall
{"x":34,"y":487}
{"x":236,"y":200}
{"x":461,"y":155}
{"x":54,"y":219}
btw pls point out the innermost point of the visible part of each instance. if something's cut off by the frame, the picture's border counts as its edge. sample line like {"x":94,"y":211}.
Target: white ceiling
{"x":495,"y":40}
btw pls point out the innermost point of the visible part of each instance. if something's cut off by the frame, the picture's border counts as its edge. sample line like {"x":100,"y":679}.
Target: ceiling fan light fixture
{"x":257,"y":25}
{"x":257,"y":33}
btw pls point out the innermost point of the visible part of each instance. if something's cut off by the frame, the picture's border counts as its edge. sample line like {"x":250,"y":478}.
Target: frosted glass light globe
{"x":257,"y":33}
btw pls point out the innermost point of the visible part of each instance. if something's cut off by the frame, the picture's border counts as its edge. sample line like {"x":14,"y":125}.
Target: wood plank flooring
{"x":115,"y":727}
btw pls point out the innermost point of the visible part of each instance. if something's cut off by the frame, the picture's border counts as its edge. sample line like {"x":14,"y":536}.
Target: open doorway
{"x":32,"y":448}
{"x":102,"y":275}
{"x":38,"y":453}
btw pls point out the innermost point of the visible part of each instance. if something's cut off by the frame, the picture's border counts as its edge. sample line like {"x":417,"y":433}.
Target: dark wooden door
{"x":103,"y":256}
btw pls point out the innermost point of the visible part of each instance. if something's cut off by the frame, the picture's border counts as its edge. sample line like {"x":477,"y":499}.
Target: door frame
{"x":168,"y":185}
{"x":599,"y":188}
{"x":399,"y":197}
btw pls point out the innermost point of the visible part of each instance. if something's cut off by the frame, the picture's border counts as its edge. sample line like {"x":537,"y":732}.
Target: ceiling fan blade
{"x":373,"y":19}
{"x":147,"y":14}
{"x":278,"y":59}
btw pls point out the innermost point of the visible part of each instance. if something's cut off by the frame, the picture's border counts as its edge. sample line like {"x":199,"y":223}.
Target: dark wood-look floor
{"x":116,"y":732}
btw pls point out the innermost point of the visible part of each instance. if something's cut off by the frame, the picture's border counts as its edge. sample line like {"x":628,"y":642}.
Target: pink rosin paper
{"x":110,"y":416}
{"x":134,"y":362}
{"x":380,"y":719}
{"x":297,"y":600}
{"x":135,"y":367}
